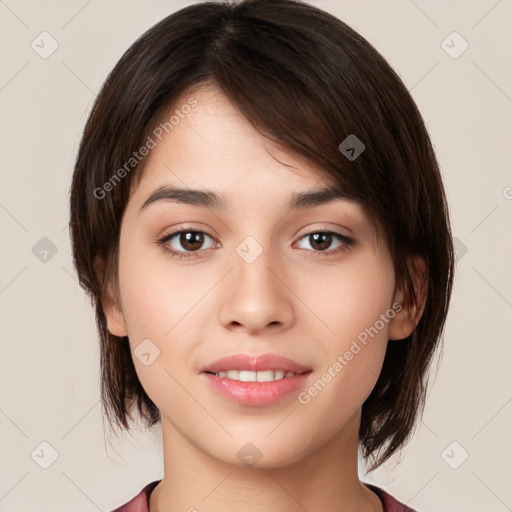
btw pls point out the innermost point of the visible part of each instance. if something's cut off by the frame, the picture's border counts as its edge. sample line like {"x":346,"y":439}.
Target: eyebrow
{"x":209,"y":199}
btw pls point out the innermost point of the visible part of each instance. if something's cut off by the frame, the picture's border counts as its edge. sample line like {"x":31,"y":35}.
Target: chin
{"x":261,"y":453}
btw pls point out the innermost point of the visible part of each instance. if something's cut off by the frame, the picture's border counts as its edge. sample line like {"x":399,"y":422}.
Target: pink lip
{"x":255,"y":363}
{"x":256,"y":393}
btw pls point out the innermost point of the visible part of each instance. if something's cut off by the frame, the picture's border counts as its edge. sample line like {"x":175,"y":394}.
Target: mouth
{"x":252,"y":376}
{"x":256,"y":380}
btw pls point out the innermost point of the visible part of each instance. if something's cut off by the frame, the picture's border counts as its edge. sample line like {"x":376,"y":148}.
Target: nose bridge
{"x":256,"y":297}
{"x":252,"y":262}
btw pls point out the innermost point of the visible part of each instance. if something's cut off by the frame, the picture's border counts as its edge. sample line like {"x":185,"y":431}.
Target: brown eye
{"x":183,"y":242}
{"x":320,"y":241}
{"x":191,"y":240}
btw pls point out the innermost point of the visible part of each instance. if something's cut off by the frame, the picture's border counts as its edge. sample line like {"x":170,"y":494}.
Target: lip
{"x":255,"y":393}
{"x":255,"y":363}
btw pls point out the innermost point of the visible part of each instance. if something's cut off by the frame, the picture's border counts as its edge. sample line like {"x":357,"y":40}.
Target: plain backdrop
{"x":50,"y":415}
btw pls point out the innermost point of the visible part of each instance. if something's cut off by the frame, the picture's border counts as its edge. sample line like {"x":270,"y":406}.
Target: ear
{"x":116,"y":324}
{"x":406,"y":320}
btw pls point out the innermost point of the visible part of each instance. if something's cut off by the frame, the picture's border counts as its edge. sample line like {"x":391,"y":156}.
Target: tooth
{"x":247,"y":376}
{"x":265,"y":376}
{"x":252,"y":376}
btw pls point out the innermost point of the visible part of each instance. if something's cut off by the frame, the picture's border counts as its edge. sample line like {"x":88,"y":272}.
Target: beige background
{"x":49,"y":350}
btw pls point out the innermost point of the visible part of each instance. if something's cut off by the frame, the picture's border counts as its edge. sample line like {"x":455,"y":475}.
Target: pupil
{"x":190,"y":238}
{"x":325,"y":240}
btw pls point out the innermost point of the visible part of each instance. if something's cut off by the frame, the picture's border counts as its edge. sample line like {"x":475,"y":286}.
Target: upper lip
{"x":255,"y":363}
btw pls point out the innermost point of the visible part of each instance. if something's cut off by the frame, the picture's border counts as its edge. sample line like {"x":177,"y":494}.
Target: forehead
{"x":214,"y":146}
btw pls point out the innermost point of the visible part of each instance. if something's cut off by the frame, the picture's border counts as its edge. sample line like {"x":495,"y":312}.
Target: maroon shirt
{"x":140,"y":503}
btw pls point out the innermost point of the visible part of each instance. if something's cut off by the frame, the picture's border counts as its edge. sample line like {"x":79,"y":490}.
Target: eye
{"x":319,"y":241}
{"x":186,"y":241}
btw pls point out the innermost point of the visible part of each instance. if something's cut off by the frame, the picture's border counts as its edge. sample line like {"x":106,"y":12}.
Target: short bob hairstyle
{"x":306,"y":81}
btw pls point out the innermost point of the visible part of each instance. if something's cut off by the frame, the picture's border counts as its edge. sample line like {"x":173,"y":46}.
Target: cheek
{"x":164,"y":316}
{"x":352,"y":367}
{"x":158,"y":296}
{"x":355,"y":308}
{"x":350,"y":300}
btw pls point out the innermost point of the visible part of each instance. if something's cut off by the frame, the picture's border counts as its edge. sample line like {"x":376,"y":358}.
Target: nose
{"x":256,"y":296}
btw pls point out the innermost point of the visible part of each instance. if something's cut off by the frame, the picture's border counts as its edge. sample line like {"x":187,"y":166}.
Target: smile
{"x":251,"y":376}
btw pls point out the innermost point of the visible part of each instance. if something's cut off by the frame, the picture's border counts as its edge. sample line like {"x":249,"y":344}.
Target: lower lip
{"x":256,"y":393}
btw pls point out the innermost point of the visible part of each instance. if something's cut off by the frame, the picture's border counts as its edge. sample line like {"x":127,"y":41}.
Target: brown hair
{"x":306,"y":80}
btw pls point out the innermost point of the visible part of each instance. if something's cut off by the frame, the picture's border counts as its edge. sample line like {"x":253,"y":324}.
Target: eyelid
{"x":199,"y":227}
{"x":327,"y":230}
{"x":164,"y":239}
{"x":185,"y":228}
{"x":346,"y":242}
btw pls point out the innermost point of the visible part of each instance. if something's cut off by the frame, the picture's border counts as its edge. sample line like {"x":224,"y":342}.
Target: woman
{"x":259,"y":218}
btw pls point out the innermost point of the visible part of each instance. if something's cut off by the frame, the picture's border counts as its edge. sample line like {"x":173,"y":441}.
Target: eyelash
{"x":347,"y":242}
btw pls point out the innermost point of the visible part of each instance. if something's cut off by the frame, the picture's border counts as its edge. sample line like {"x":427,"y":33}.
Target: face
{"x":313,"y":284}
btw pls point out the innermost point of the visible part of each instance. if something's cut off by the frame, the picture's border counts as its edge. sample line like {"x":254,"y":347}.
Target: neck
{"x":326,"y":479}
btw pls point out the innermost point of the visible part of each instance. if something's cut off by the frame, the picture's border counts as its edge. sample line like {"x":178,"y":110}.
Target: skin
{"x":292,"y":300}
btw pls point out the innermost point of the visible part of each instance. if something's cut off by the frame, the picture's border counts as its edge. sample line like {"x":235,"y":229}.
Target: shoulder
{"x":139,"y":503}
{"x":389,"y":504}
